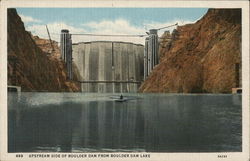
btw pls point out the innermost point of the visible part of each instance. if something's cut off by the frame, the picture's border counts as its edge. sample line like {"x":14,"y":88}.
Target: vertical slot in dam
{"x":109,"y":67}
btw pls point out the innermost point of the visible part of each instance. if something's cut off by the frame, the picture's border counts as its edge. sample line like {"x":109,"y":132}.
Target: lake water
{"x":79,"y":122}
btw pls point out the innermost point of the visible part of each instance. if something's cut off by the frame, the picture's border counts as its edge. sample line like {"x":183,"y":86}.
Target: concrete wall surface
{"x":109,"y":61}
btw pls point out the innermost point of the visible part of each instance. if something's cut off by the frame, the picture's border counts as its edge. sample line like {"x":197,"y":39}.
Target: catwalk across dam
{"x":109,"y":66}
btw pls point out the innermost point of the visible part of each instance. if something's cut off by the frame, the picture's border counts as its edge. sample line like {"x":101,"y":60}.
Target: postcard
{"x":124,"y":80}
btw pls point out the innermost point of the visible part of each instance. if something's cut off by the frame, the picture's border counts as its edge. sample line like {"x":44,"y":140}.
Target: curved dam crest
{"x":112,"y":66}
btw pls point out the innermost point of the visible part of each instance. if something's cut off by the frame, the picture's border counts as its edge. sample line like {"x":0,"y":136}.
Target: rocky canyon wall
{"x":204,"y":57}
{"x":31,"y":62}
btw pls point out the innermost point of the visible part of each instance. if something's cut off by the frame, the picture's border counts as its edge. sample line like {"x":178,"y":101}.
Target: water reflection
{"x":154,"y":123}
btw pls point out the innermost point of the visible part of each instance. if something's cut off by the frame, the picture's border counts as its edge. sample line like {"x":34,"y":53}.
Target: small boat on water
{"x":120,"y":99}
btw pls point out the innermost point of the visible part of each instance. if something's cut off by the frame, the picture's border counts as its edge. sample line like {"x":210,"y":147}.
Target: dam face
{"x":109,"y":67}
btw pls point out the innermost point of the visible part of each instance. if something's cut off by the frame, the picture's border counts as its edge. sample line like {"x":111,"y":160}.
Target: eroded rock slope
{"x":201,"y":57}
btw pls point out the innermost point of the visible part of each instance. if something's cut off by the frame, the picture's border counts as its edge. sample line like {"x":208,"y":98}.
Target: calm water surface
{"x":78,"y":122}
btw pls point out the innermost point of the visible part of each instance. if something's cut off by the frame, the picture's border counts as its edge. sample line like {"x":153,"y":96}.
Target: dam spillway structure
{"x":109,"y":66}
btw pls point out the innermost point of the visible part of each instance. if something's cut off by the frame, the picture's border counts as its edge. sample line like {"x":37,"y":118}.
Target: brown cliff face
{"x":45,"y":46}
{"x":202,"y":57}
{"x":31,"y":67}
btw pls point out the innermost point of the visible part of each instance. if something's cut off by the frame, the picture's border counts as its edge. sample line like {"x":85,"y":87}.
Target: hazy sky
{"x":105,"y":21}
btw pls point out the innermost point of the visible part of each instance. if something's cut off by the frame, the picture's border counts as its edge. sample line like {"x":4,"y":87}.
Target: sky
{"x":128,"y":21}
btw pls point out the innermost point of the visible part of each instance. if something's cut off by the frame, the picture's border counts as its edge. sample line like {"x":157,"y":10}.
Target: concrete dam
{"x":109,"y":67}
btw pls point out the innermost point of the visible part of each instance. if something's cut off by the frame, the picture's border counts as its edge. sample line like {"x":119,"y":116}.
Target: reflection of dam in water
{"x":93,"y":122}
{"x":106,"y":66}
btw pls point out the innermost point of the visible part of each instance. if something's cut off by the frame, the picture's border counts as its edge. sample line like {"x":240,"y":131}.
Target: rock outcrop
{"x":45,"y":45}
{"x":31,"y":65}
{"x":204,"y":57}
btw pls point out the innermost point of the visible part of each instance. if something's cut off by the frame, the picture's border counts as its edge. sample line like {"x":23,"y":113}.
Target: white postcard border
{"x":236,"y":156}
